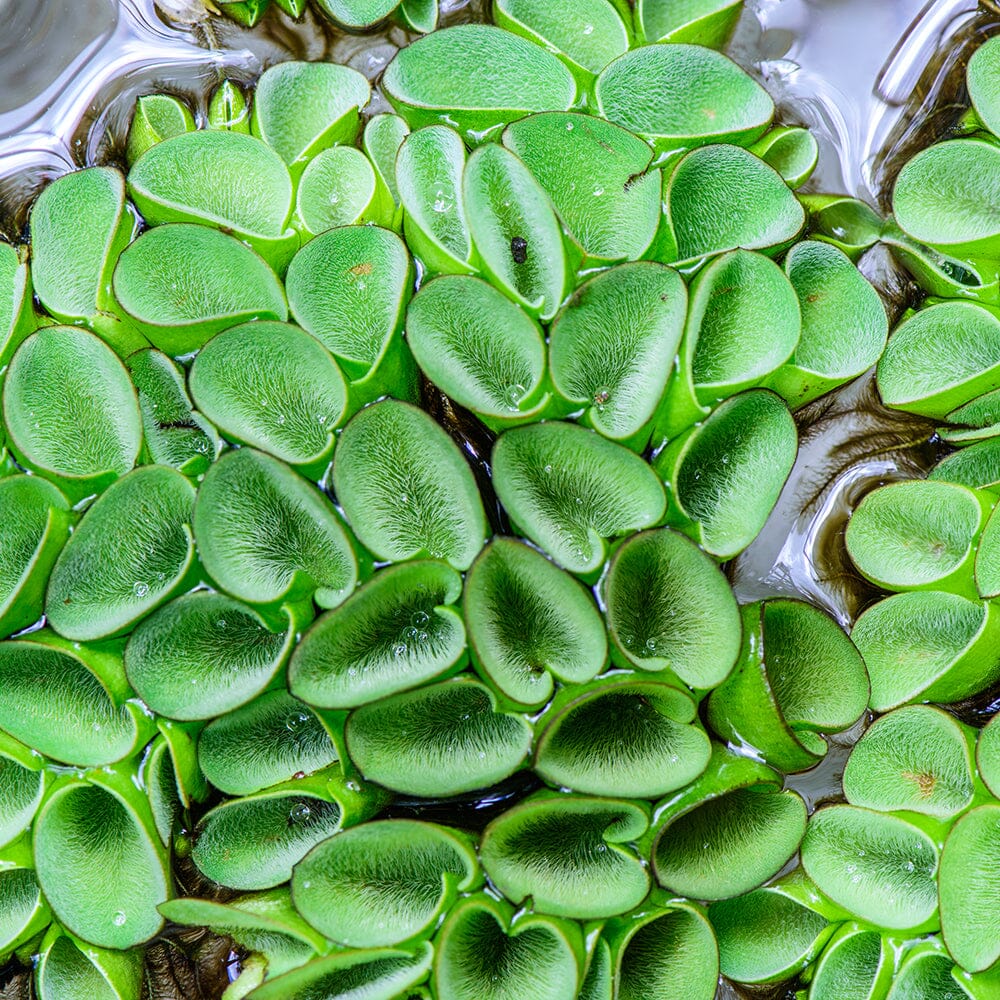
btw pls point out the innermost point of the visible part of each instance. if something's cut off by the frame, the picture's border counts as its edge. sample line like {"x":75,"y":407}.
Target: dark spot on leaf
{"x":519,"y":249}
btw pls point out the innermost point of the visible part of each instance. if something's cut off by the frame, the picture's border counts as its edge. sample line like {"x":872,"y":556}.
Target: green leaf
{"x":977,"y":467}
{"x":181,"y":283}
{"x":597,"y":984}
{"x":919,"y":535}
{"x":71,"y":970}
{"x":679,"y":96}
{"x":530,"y":623}
{"x":705,"y":22}
{"x":174,"y":433}
{"x":852,"y":226}
{"x":844,"y":324}
{"x":132,"y":551}
{"x":398,"y":631}
{"x":223,"y":179}
{"x":22,"y":783}
{"x":79,"y":226}
{"x":35,"y":522}
{"x":270,"y":740}
{"x":929,"y":646}
{"x":722,"y":197}
{"x":670,"y":608}
{"x":66,"y":702}
{"x":798,"y":675}
{"x":340,"y":188}
{"x":157,"y":117}
{"x":429,"y":170}
{"x":978,"y":418}
{"x":988,"y":756}
{"x":380,"y":974}
{"x":17,"y":313}
{"x":515,"y":230}
{"x":253,"y":842}
{"x":599,"y":178}
{"x":621,"y":736}
{"x":419,"y":15}
{"x":478,"y":76}
{"x":203,"y":654}
{"x":82,"y":448}
{"x":438,"y":740}
{"x":100,"y":862}
{"x":349,"y":288}
{"x":302,"y":108}
{"x":878,"y":866}
{"x":925,"y":973}
{"x":486,"y":951}
{"x":970,"y":915}
{"x":159,"y":778}
{"x":569,"y":490}
{"x":266,"y":535}
{"x":857,"y":964}
{"x":946,"y":196}
{"x":981,"y":78}
{"x":569,"y":854}
{"x":383,"y":136}
{"x":383,"y":883}
{"x":611,"y":345}
{"x":227,"y":108}
{"x":940,"y":358}
{"x":792,"y":151}
{"x":357,"y":14}
{"x":725,"y":475}
{"x":478,"y":347}
{"x":245,"y":12}
{"x":273,"y":387}
{"x":728,"y":832}
{"x":586,"y":35}
{"x":406,"y":489}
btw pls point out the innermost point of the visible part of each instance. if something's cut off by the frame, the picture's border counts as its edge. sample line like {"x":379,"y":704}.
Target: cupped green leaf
{"x":89,"y":432}
{"x":100,"y":862}
{"x":357,"y":14}
{"x":974,"y":420}
{"x":915,"y":758}
{"x":792,"y":151}
{"x":131,"y":552}
{"x":586,"y":35}
{"x":266,"y":535}
{"x":988,"y":756}
{"x":71,"y":970}
{"x":968,"y":885}
{"x":705,"y":22}
{"x":438,"y":740}
{"x":940,"y":358}
{"x":79,"y":226}
{"x":67,"y":703}
{"x":850,"y":225}
{"x":857,"y":964}
{"x":476,"y":76}
{"x":273,"y":387}
{"x":202,"y":655}
{"x":487,"y":952}
{"x":879,"y":867}
{"x":380,"y":974}
{"x":569,"y":854}
{"x":679,"y":96}
{"x":181,"y":283}
{"x":35,"y":521}
{"x":163,"y":790}
{"x":612,"y":345}
{"x":529,"y":622}
{"x":514,"y":228}
{"x":219,"y":178}
{"x":767,"y":936}
{"x":670,"y":608}
{"x":419,"y":15}
{"x":157,"y":117}
{"x":981,"y":77}
{"x":228,"y":108}
{"x":947,"y":197}
{"x":349,"y":288}
{"x":844,"y":324}
{"x":405,"y":487}
{"x":597,"y":984}
{"x":17,"y":314}
{"x":382,"y":883}
{"x":925,"y":973}
{"x":22,"y":783}
{"x":624,"y":737}
{"x":726,"y":475}
{"x":254,"y":842}
{"x":383,"y":136}
{"x":599,"y":178}
{"x":977,"y":467}
{"x":570,"y":489}
{"x":918,"y":535}
{"x":727,"y":832}
{"x":798,"y":675}
{"x":270,"y":740}
{"x":174,"y":433}
{"x":397,"y":632}
{"x":722,"y":197}
{"x":339,"y":188}
{"x":478,"y":347}
{"x":928,"y":645}
{"x":301,"y":108}
{"x":23,"y":909}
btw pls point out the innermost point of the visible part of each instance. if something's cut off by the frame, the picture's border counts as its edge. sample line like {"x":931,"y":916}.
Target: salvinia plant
{"x":266,"y":620}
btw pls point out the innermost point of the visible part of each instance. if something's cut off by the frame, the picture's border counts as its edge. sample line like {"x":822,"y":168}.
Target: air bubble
{"x":295,"y":720}
{"x":120,"y":918}
{"x":411,"y":633}
{"x":513,"y":395}
{"x":420,"y":618}
{"x":399,"y":650}
{"x":598,"y":192}
{"x":140,"y":588}
{"x":300,"y":812}
{"x":588,"y":29}
{"x":353,"y":786}
{"x":601,"y":396}
{"x":651,"y":645}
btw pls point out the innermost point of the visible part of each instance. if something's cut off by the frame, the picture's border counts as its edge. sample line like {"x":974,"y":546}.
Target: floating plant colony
{"x":252,"y":594}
